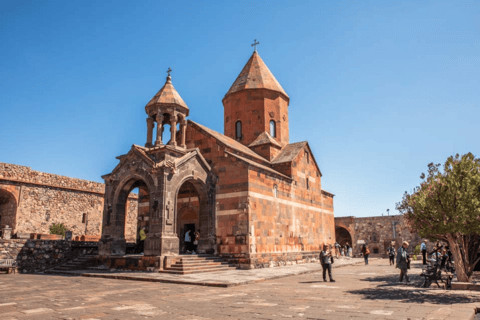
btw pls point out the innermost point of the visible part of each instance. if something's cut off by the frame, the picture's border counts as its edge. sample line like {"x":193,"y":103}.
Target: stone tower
{"x":166,"y":107}
{"x":256,"y":109}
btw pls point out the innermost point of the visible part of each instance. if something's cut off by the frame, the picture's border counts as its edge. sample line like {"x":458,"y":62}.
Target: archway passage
{"x":8,"y":209}
{"x":343,"y":236}
{"x":134,"y":212}
{"x":192,"y":213}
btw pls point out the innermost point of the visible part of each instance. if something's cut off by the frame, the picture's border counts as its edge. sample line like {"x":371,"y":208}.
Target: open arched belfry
{"x":255,"y":197}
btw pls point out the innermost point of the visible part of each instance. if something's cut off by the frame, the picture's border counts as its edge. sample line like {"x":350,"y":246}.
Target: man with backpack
{"x":326,"y":261}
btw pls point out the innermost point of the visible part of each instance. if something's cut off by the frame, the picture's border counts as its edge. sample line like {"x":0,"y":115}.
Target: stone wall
{"x":41,"y":199}
{"x":38,"y":255}
{"x":378,"y":232}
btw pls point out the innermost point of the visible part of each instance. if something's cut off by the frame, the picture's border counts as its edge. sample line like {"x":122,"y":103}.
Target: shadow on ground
{"x":389,"y":288}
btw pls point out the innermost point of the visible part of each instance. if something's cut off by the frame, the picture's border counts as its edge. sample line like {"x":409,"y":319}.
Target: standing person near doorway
{"x":337,"y":249}
{"x":141,"y":237}
{"x":347,"y":249}
{"x":195,"y":242}
{"x":391,"y":253}
{"x":423,"y":248}
{"x":188,"y":241}
{"x":326,"y":261}
{"x":365,"y":253}
{"x":402,"y":261}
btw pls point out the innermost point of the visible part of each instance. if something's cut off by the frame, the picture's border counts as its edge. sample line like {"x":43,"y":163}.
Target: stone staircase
{"x":80,"y":263}
{"x":188,"y":264}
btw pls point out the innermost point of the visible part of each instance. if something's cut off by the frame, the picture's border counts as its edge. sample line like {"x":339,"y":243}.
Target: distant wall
{"x":39,"y":199}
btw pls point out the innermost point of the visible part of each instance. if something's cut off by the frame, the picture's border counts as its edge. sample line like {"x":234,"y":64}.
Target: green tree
{"x":446,"y":206}
{"x":58,"y":228}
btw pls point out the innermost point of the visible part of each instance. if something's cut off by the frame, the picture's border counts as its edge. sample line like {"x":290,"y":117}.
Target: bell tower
{"x":256,"y":103}
{"x":166,"y":107}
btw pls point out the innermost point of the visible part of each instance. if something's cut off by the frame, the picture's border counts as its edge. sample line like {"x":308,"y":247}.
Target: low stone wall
{"x":38,"y":255}
{"x":269,"y":260}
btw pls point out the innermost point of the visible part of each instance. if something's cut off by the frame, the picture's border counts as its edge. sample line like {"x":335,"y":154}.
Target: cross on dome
{"x":254,"y":45}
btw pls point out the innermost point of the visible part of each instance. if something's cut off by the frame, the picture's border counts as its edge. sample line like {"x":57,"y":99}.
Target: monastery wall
{"x":41,"y":199}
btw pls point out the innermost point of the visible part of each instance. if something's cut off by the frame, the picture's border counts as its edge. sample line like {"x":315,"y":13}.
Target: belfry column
{"x":159,"y":120}
{"x":150,"y":125}
{"x":183,"y":131}
{"x":173,"y":130}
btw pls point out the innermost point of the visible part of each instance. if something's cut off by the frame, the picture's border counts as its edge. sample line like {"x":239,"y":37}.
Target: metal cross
{"x":254,"y":45}
{"x":169,"y":70}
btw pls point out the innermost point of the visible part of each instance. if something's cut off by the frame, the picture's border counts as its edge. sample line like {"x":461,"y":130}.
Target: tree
{"x":446,"y":206}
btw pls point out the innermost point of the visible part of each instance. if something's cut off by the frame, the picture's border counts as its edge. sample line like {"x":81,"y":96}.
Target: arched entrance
{"x":8,"y":209}
{"x":343,"y":236}
{"x":192,"y":209}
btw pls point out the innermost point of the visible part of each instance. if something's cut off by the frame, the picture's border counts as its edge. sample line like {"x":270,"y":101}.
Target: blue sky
{"x":378,"y":88}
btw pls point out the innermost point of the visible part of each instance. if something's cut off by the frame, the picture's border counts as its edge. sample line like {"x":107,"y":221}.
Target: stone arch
{"x":8,"y":209}
{"x":205,"y":208}
{"x":342,"y":236}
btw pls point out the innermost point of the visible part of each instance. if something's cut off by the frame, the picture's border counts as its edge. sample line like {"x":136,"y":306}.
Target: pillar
{"x":183,"y":132}
{"x":150,"y":125}
{"x":173,"y":130}
{"x":159,"y":120}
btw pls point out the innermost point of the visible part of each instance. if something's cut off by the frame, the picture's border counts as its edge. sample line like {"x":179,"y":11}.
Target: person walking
{"x":188,"y":241}
{"x":326,"y":261}
{"x":423,"y":248}
{"x":195,"y":242}
{"x":337,"y":249}
{"x":365,"y":253}
{"x":402,"y":261}
{"x":391,"y":253}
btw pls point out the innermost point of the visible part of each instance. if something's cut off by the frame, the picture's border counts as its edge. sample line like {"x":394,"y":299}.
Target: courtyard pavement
{"x":360,"y":292}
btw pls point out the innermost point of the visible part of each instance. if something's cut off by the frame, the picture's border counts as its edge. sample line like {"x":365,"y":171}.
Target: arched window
{"x":273,"y":129}
{"x":238,"y":130}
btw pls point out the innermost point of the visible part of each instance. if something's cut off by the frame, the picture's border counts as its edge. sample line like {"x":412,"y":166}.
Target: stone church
{"x":256,"y":198}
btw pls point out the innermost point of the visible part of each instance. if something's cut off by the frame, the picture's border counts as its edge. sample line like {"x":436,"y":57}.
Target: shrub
{"x":58,"y":228}
{"x":417,"y":250}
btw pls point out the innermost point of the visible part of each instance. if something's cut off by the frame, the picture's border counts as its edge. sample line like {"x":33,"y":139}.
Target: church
{"x":255,"y":197}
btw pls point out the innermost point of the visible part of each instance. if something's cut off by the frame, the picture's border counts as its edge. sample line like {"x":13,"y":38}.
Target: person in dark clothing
{"x":423,"y":248}
{"x":326,"y":261}
{"x":403,"y":261}
{"x":365,"y":253}
{"x":391,"y":253}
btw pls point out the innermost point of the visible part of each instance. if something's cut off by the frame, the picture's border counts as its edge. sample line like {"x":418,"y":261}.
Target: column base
{"x":161,"y":245}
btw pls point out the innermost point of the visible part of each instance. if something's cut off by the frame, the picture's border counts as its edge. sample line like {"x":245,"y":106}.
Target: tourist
{"x":326,"y":261}
{"x":391,"y":253}
{"x":403,"y":260}
{"x":342,"y":251}
{"x":195,"y":242}
{"x":365,"y":253}
{"x":141,"y":244}
{"x":188,"y":241}
{"x":337,"y":249}
{"x":347,"y":249}
{"x":423,"y":248}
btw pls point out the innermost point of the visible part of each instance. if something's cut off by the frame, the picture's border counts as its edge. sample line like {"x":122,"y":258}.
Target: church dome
{"x":256,"y":75}
{"x":167,"y":96}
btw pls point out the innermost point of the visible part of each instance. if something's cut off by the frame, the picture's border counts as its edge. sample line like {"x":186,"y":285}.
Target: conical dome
{"x":167,"y":96}
{"x":256,"y":75}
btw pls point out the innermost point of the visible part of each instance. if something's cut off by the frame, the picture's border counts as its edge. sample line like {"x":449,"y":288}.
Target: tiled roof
{"x":253,"y":163}
{"x":289,"y":152}
{"x":167,"y":96}
{"x":264,"y":138}
{"x":229,"y":142}
{"x":256,"y":75}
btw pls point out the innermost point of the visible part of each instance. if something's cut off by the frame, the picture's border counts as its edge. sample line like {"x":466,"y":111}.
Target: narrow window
{"x":307,"y":157}
{"x":84,"y":218}
{"x":308,"y":185}
{"x":238,"y":130}
{"x":273,"y":129}
{"x":275,"y":191}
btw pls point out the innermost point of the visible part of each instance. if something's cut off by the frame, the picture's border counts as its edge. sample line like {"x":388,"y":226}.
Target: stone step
{"x":192,"y":262}
{"x":174,"y":267}
{"x":180,"y":265}
{"x":197,"y":271}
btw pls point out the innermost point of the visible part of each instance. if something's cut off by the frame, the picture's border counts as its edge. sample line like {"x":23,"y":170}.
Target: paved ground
{"x":223,"y":278}
{"x":361,"y":292}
